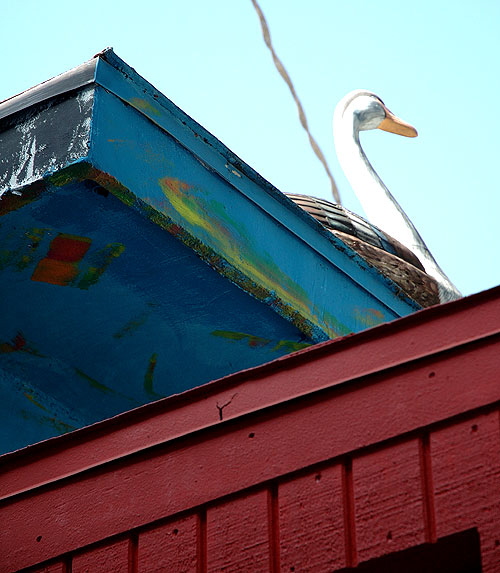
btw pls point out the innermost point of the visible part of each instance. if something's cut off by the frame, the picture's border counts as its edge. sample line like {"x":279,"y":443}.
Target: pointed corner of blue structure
{"x":140,"y":257}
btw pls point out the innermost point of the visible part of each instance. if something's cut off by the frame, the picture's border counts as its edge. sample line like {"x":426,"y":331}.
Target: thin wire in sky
{"x":302,"y":116}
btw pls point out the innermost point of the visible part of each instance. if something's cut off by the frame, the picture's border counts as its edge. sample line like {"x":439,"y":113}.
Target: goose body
{"x":362,"y":110}
{"x":389,"y":241}
{"x":380,"y":250}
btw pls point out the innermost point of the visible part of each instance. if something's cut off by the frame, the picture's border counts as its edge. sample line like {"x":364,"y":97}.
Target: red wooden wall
{"x":332,"y":457}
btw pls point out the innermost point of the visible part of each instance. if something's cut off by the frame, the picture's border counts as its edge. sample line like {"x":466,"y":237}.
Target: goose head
{"x":365,"y":111}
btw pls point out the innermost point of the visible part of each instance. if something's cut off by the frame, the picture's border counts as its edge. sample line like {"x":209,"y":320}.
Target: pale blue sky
{"x":435,"y":64}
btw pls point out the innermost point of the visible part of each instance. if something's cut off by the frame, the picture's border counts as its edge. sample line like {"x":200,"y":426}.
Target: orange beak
{"x":393,"y":124}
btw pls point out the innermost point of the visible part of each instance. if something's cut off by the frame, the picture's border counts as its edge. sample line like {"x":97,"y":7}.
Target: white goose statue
{"x":398,"y":250}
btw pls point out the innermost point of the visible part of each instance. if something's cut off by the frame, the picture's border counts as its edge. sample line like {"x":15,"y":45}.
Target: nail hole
{"x":389,"y":536}
{"x":474,"y":427}
{"x":317,"y":477}
{"x":251,"y":435}
{"x":39,"y":538}
{"x":175,"y":531}
{"x":292,"y":568}
{"x":432,"y":374}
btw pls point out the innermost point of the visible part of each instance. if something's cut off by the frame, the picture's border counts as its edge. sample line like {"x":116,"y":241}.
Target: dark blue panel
{"x":103,"y":311}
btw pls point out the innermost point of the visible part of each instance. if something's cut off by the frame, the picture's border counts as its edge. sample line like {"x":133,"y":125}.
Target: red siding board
{"x":466,"y":474}
{"x":238,"y":535}
{"x":388,"y":500}
{"x":170,"y":547}
{"x":177,"y":478}
{"x":332,"y":456}
{"x":113,"y":557}
{"x":311,"y":522}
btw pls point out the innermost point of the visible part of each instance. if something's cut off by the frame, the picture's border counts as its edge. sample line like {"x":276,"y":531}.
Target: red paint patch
{"x":68,"y":248}
{"x":60,"y":267}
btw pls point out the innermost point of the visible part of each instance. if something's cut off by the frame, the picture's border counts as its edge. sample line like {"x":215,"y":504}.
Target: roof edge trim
{"x":75,"y":78}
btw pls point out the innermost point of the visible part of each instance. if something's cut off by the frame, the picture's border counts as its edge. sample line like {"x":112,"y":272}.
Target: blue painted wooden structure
{"x":139,"y":257}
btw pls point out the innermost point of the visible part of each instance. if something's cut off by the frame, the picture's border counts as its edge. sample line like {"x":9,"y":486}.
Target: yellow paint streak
{"x":94,"y":383}
{"x":187,"y":206}
{"x":234,"y":243}
{"x":144,"y":105}
{"x":230,"y":240}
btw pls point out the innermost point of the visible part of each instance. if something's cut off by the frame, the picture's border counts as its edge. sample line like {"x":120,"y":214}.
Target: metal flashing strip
{"x":78,"y":77}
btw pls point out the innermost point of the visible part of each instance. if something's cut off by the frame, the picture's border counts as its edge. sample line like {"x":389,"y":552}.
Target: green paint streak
{"x":102,"y":387}
{"x":148,"y":377}
{"x":6,"y":257}
{"x":33,"y":240}
{"x":132,"y":325}
{"x":291,"y":346}
{"x":22,"y":247}
{"x":253,"y":341}
{"x":101,"y":260}
{"x":60,"y":426}
{"x":257,"y":341}
{"x":76,"y":172}
{"x":94,"y":383}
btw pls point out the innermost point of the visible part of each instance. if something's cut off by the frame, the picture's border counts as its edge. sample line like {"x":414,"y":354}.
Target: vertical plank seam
{"x":133,"y":553}
{"x":351,"y":556}
{"x":429,"y":509}
{"x":201,"y":542}
{"x":273,"y":528}
{"x":68,"y":564}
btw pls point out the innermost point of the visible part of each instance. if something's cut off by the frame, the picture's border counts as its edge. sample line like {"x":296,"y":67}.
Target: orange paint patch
{"x":60,"y":266}
{"x":369,"y":316}
{"x":55,"y":272}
